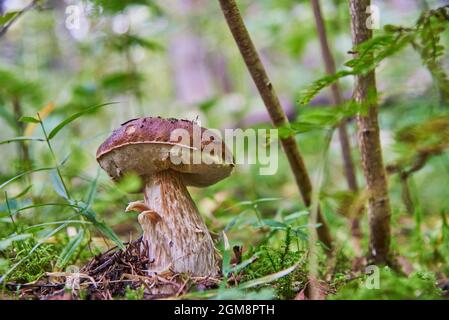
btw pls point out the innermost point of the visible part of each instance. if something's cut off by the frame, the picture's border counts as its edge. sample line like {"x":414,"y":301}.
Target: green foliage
{"x":65,"y":189}
{"x":13,"y":85}
{"x":318,"y":119}
{"x":238,"y":294}
{"x":4,"y":19}
{"x":126,"y":41}
{"x":134,"y":294}
{"x":424,"y":37}
{"x":69,"y":250}
{"x":37,"y":263}
{"x":21,"y":139}
{"x":75,"y":116}
{"x":272,"y":260}
{"x":418,"y":286}
{"x":114,"y":6}
{"x":417,"y":143}
{"x":425,"y":134}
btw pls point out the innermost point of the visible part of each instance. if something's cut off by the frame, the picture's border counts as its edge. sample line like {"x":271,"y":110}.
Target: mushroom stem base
{"x":174,"y":235}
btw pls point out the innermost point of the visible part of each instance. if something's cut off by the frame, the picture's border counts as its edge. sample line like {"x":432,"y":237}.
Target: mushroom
{"x":174,"y":235}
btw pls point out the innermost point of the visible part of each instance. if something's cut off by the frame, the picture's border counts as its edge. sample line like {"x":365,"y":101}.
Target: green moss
{"x":35,"y":264}
{"x":272,"y":260}
{"x":134,"y":294}
{"x":392,"y":286}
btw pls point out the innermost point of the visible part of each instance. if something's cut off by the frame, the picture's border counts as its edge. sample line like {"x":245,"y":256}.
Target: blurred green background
{"x":176,"y":58}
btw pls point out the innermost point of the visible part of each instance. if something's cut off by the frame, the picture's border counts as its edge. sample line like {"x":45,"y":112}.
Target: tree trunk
{"x":365,"y":93}
{"x":273,"y":106}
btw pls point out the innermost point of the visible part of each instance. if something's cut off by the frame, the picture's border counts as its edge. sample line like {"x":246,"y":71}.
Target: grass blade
{"x":45,"y":224}
{"x":269,"y":278}
{"x":23,"y":192}
{"x":58,"y":184}
{"x":20,"y":139}
{"x":4,"y":184}
{"x":73,"y":117}
{"x":29,"y":120}
{"x":70,"y":249}
{"x":108,"y":232}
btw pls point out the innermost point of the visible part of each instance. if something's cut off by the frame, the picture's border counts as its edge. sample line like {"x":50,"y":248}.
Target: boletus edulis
{"x":174,"y":235}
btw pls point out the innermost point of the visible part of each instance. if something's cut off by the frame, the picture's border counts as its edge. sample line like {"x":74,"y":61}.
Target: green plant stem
{"x":9,"y":212}
{"x":66,"y":190}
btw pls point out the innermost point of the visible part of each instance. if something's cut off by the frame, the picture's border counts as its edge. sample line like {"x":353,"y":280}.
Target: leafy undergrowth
{"x":391,"y":286}
{"x":275,"y":268}
{"x":264,"y":272}
{"x":38,"y":262}
{"x":271,"y":261}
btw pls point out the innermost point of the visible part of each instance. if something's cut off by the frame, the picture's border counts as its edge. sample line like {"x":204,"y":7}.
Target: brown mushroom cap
{"x":143,"y":146}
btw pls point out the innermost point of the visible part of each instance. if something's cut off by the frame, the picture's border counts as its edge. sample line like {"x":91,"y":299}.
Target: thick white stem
{"x":174,"y":235}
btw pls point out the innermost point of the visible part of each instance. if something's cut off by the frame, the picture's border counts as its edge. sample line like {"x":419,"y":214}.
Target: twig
{"x":274,"y":108}
{"x":337,"y":100}
{"x":422,"y":157}
{"x":5,"y":28}
{"x":337,"y":97}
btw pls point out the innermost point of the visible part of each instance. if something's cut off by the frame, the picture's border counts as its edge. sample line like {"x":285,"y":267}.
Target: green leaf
{"x":58,"y":184}
{"x":7,"y":17}
{"x":46,"y":224}
{"x":122,"y":81}
{"x":269,"y":278}
{"x":101,"y":226}
{"x":70,"y":249}
{"x":244,"y":264}
{"x":118,"y":6}
{"x":209,"y":104}
{"x":29,"y":120}
{"x":296,"y":215}
{"x":108,"y":232}
{"x":84,"y":210}
{"x":23,"y":192}
{"x":370,"y":54}
{"x":39,"y":205}
{"x":93,"y":189}
{"x":252,"y":203}
{"x":4,"y":184}
{"x":145,"y":43}
{"x":73,"y":117}
{"x":274,"y":224}
{"x":226,"y":262}
{"x":20,"y":139}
